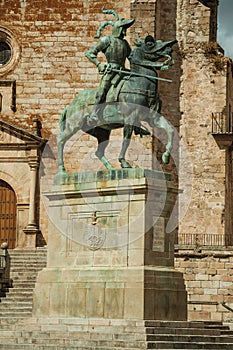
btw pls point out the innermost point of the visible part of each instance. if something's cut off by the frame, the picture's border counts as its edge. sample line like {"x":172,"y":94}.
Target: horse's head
{"x":154,"y":50}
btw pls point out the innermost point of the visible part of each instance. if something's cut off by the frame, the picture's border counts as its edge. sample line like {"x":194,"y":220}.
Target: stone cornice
{"x":30,"y":140}
{"x":209,"y":3}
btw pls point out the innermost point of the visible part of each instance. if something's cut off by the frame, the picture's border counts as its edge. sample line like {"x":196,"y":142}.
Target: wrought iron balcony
{"x":192,"y":240}
{"x":222,"y":129}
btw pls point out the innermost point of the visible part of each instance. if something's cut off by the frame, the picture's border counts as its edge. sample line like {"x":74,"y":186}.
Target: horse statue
{"x":137,"y":87}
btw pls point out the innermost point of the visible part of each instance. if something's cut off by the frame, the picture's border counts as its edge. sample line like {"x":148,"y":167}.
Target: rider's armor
{"x":116,"y":50}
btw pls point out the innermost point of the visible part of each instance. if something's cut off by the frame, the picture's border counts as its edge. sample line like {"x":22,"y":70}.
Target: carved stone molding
{"x":5,"y":85}
{"x":209,"y":3}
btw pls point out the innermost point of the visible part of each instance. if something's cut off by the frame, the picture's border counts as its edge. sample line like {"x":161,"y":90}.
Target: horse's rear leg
{"x":102,"y":136}
{"x":128,"y":130}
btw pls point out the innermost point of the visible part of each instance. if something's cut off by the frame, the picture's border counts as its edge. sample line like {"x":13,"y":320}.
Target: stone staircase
{"x":25,"y":266}
{"x":99,"y":334}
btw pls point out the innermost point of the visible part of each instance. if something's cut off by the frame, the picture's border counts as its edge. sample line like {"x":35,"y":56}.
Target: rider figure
{"x":116,"y":49}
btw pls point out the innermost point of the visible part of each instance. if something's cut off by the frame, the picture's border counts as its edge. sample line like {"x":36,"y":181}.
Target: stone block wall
{"x":204,"y":81}
{"x":141,"y":10}
{"x":208,"y":279}
{"x":202,"y":91}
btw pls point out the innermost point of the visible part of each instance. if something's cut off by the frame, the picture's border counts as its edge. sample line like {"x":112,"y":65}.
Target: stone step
{"x":12,"y":314}
{"x":19,"y":294}
{"x":190,"y":346}
{"x":198,"y":331}
{"x":16,"y":300}
{"x":21,"y":274}
{"x":25,"y":285}
{"x":28,"y":262}
{"x":24,"y":275}
{"x":67,"y":343}
{"x":190,"y":338}
{"x":18,"y":309}
{"x":49,"y":346}
{"x":21,"y":315}
{"x":184,"y":324}
{"x":200,"y":328}
{"x":25,"y":258}
{"x":26,"y":267}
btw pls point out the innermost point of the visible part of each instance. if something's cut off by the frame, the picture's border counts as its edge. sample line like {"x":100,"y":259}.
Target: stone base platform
{"x":109,"y":255}
{"x":127,"y":293}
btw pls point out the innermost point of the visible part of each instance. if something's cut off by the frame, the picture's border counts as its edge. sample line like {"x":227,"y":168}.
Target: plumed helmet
{"x":117,"y":25}
{"x":121,"y":23}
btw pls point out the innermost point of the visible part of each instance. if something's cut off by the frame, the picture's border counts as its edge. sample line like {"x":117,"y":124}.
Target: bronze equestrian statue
{"x":122,"y":104}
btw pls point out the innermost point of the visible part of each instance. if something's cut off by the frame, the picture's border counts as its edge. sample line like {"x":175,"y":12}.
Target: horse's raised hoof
{"x":104,"y":161}
{"x":108,"y":166}
{"x":124,"y":163}
{"x":61,"y":170}
{"x":165,"y":158}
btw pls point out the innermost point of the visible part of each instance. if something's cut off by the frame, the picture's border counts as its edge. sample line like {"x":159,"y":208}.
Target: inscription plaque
{"x":158,"y":235}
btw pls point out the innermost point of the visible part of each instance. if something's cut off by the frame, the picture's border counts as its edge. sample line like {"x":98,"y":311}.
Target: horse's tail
{"x":62,"y":122}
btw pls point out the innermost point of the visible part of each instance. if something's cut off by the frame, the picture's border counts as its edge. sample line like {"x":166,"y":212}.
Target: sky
{"x":225,"y":26}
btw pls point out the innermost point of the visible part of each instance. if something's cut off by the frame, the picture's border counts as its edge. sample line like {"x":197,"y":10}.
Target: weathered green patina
{"x":116,"y":50}
{"x":127,"y":93}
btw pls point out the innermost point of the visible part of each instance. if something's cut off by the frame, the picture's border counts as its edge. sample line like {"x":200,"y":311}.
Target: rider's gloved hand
{"x":101,"y":68}
{"x":164,"y":67}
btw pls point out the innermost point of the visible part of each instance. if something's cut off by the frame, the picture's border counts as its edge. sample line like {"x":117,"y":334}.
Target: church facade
{"x":42,"y":69}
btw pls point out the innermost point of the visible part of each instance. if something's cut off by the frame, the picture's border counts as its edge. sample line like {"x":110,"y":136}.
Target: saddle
{"x":110,"y":112}
{"x":115,"y":89}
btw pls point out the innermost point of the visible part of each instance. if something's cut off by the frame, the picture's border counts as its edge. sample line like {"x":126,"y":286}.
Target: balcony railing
{"x":222,"y":123}
{"x":202,"y":240}
{"x":222,"y":129}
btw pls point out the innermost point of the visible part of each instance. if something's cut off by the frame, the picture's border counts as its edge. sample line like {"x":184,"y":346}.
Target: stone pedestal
{"x":108,"y":253}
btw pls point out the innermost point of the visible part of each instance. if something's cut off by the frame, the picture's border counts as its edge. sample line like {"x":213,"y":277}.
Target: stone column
{"x":32,"y":228}
{"x":34,"y":165}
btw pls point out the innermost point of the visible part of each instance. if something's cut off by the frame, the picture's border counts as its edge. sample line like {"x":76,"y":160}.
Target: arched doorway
{"x":7,"y":214}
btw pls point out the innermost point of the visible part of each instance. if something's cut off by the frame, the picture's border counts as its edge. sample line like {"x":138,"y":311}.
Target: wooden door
{"x":7,"y":215}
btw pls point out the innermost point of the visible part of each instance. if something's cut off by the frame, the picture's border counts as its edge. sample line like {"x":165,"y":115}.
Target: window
{"x":5,"y":53}
{"x":9,"y":51}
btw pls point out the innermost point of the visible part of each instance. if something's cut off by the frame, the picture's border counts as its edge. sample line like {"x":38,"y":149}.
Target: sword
{"x":109,"y":70}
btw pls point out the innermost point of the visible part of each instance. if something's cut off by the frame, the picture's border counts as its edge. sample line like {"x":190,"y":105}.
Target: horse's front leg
{"x":60,"y":148}
{"x":128,"y":130}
